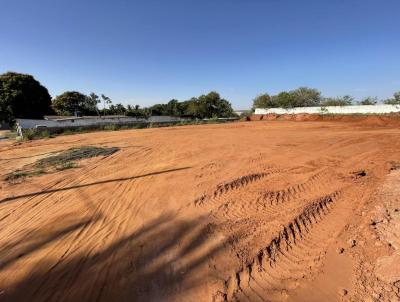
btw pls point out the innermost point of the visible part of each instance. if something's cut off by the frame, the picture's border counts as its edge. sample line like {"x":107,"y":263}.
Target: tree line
{"x":22,"y":96}
{"x":310,"y":97}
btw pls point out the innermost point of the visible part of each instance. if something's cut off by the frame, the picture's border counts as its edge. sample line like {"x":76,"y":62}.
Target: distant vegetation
{"x":338,"y":101}
{"x":72,"y":101}
{"x":205,"y":106}
{"x":395,"y":100}
{"x":368,"y":101}
{"x":21,"y":96}
{"x":309,"y":97}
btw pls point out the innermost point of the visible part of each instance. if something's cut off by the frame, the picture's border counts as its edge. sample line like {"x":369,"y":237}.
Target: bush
{"x":31,"y":134}
{"x":111,"y":127}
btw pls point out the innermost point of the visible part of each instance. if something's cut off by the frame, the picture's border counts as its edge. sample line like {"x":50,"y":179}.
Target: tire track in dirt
{"x":274,"y":227}
{"x":269,"y":202}
{"x":283,"y":259}
{"x":236,"y":184}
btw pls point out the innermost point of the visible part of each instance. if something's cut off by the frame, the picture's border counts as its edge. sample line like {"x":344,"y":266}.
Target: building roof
{"x":60,"y":118}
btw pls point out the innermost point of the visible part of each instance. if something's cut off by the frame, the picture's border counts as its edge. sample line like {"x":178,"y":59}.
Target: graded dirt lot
{"x":248,"y":211}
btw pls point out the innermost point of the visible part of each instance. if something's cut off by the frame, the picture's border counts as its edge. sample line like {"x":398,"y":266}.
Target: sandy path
{"x":243,"y":211}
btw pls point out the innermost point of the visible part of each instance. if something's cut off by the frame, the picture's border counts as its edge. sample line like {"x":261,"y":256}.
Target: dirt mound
{"x":267,"y":211}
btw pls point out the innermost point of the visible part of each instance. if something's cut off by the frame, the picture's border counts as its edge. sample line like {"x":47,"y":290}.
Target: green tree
{"x":285,"y":100}
{"x":21,"y":96}
{"x":368,"y":101}
{"x":205,"y":106}
{"x":138,"y":112}
{"x":117,"y":109}
{"x":211,"y":105}
{"x":395,"y":100}
{"x":71,"y":102}
{"x":187,"y":108}
{"x":262,"y":101}
{"x":224,"y":109}
{"x":158,"y":109}
{"x":192,"y":108}
{"x":300,"y":97}
{"x":338,"y":101}
{"x":92,"y":101}
{"x":106,"y":100}
{"x":306,"y":97}
{"x":172,"y":108}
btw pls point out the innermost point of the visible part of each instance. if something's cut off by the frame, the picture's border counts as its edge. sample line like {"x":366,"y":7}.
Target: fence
{"x":62,"y":124}
{"x":89,"y":121}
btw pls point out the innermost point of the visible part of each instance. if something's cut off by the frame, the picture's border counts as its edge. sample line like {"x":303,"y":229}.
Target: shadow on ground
{"x":164,"y":259}
{"x":11,"y":198}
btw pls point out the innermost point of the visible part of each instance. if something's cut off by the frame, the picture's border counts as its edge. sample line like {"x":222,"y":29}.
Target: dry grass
{"x":60,"y":162}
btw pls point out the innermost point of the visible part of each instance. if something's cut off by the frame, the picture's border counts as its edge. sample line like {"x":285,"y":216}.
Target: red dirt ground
{"x":252,"y":211}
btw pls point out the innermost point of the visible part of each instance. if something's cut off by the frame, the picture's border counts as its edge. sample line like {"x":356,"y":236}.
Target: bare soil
{"x":284,"y":210}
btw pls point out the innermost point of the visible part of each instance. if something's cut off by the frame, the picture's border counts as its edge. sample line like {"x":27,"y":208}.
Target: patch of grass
{"x":66,"y":166}
{"x":60,"y":162}
{"x":14,"y":176}
{"x":75,"y":154}
{"x":112,"y":127}
{"x":31,"y":134}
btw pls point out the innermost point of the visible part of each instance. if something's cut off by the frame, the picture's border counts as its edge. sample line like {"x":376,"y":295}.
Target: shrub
{"x":111,"y":127}
{"x":66,"y":165}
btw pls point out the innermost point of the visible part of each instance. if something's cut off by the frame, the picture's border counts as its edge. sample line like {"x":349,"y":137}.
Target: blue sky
{"x":146,"y":52}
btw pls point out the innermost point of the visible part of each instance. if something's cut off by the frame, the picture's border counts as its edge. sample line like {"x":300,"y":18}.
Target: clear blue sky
{"x":144,"y":52}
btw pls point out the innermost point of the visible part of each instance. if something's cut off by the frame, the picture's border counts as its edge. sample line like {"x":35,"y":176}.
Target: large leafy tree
{"x":285,"y":100}
{"x":300,"y":97}
{"x":158,"y":109}
{"x":306,"y":97}
{"x":173,"y":108}
{"x":73,"y":101}
{"x":346,"y":100}
{"x":117,"y":109}
{"x":106,"y":101}
{"x":21,"y":96}
{"x":191,"y":108}
{"x":368,"y":101}
{"x":263,"y":101}
{"x":212,"y":105}
{"x":395,"y":100}
{"x":91,"y":102}
{"x":136,"y":111}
